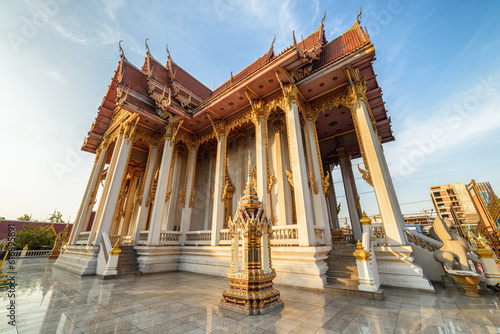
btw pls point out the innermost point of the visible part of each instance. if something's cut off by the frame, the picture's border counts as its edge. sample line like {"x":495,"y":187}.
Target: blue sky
{"x":437,"y":64}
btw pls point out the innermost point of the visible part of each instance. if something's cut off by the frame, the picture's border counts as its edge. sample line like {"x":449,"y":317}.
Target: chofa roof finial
{"x":324,"y":17}
{"x":359,"y":15}
{"x":166,"y":46}
{"x":274,"y":40}
{"x":146,"y":42}
{"x":120,"y":46}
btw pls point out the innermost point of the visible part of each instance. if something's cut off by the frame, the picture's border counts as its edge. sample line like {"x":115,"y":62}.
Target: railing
{"x":349,"y":238}
{"x":319,"y":235}
{"x":115,"y":238}
{"x":83,"y":238}
{"x":105,"y":250}
{"x":143,"y":237}
{"x":287,"y":235}
{"x":170,"y":238}
{"x":30,"y":253}
{"x":378,"y":231}
{"x":421,"y":240}
{"x":224,"y":237}
{"x":198,"y":238}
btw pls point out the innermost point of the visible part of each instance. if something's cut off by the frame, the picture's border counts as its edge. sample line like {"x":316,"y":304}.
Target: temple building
{"x":171,"y":155}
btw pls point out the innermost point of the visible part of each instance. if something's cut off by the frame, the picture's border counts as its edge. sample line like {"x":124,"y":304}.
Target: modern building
{"x":456,"y":196}
{"x":418,"y":220}
{"x":176,"y":153}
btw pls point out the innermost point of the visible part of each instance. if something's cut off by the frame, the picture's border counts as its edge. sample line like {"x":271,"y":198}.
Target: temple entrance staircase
{"x":342,"y":274}
{"x":127,"y":261}
{"x":342,"y":269}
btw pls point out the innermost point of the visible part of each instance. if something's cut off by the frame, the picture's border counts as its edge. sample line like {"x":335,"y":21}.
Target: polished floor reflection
{"x":49,"y":300}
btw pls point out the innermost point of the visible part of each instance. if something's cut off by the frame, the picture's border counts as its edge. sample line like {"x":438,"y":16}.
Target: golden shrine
{"x":251,"y":282}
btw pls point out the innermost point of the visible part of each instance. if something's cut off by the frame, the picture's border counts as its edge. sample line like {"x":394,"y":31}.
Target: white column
{"x":82,"y":218}
{"x":333,"y":205}
{"x":261,"y":162}
{"x":349,"y":184}
{"x":169,"y":215}
{"x":161,"y":192}
{"x":187,"y":210}
{"x":319,"y":199}
{"x":142,"y":219}
{"x":105,"y":189}
{"x":122,"y":152}
{"x":284,"y":212}
{"x":302,"y":195}
{"x":218,"y":204}
{"x":209,"y":204}
{"x":382,"y":183}
{"x":129,"y":206}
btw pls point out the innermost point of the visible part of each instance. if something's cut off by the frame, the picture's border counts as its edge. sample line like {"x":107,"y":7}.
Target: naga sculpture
{"x":455,"y":247}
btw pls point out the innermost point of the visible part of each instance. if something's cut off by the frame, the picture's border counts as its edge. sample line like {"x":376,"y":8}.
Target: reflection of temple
{"x":171,"y":153}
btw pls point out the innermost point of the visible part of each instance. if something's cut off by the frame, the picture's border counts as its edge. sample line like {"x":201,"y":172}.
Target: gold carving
{"x":116,"y":249}
{"x":356,"y":202}
{"x":365,"y":174}
{"x":326,"y":183}
{"x":182,"y":198}
{"x":271,"y":182}
{"x":191,"y":199}
{"x":289,"y":174}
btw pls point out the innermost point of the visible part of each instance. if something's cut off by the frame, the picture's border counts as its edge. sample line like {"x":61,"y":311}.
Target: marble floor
{"x":49,"y":300}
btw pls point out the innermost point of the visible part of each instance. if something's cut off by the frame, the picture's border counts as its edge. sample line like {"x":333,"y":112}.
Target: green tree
{"x":25,"y":217}
{"x":56,"y":217}
{"x":2,"y":217}
{"x":35,"y":237}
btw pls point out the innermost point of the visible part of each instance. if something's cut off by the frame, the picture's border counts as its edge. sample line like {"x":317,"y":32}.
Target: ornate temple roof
{"x":157,"y":91}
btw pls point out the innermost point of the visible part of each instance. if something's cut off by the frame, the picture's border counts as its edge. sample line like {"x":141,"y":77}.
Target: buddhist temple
{"x":171,"y":163}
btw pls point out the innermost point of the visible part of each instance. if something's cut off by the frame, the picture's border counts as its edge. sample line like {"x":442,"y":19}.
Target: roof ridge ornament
{"x":146,"y":42}
{"x":121,"y":50}
{"x":359,"y":15}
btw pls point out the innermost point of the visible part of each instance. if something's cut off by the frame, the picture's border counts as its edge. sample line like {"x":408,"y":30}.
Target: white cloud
{"x":467,"y":118}
{"x":51,"y":73}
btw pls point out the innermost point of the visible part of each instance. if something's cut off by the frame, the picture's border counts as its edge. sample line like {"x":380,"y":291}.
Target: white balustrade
{"x":170,"y":238}
{"x":286,"y":235}
{"x":198,"y":238}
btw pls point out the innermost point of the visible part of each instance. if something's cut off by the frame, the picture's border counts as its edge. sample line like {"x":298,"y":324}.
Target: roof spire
{"x":120,"y":46}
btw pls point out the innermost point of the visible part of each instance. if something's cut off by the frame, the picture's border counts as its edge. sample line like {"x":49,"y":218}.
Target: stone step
{"x":349,"y":282}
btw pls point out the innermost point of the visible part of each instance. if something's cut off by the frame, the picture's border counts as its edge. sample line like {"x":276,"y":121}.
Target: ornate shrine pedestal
{"x":251,"y":288}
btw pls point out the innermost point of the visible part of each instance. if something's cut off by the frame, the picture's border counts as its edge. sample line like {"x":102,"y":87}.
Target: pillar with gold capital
{"x":143,"y":208}
{"x":212,"y":154}
{"x":189,"y":190}
{"x":220,"y":129}
{"x":116,"y":173}
{"x":379,"y":175}
{"x":350,"y":190}
{"x":84,"y":212}
{"x":298,"y":163}
{"x":318,"y":179}
{"x":284,"y":215}
{"x":161,"y":188}
{"x":173,"y":197}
